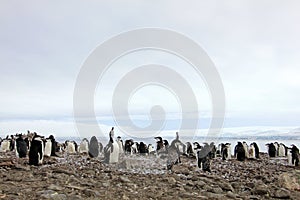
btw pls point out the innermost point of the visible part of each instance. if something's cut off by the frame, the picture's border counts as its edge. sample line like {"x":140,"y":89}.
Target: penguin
{"x":21,"y":147}
{"x":36,"y":152}
{"x":48,"y":147}
{"x":226,"y":151}
{"x":281,"y":150}
{"x":276,"y":144}
{"x":111,"y":151}
{"x":143,"y":149}
{"x":295,"y":155}
{"x":94,"y":147}
{"x":71,"y":147}
{"x":151,"y":150}
{"x":256,"y":149}
{"x":174,"y":151}
{"x":159,"y":144}
{"x":54,"y":145}
{"x":252,"y":151}
{"x":128,"y":146}
{"x":5,"y":145}
{"x":189,"y":149}
{"x":121,"y":146}
{"x":84,"y":146}
{"x":271,"y":150}
{"x":134,"y":148}
{"x":289,"y":156}
{"x":213,"y":150}
{"x":239,"y":152}
{"x":246,"y":148}
{"x":203,"y":158}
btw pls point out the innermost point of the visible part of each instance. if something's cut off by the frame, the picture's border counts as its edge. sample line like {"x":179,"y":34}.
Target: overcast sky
{"x":254,"y":45}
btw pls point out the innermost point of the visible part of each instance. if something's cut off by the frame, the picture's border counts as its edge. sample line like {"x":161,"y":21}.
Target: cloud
{"x":254,"y":45}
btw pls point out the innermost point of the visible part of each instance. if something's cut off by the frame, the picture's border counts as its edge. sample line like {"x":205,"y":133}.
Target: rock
{"x":289,"y":181}
{"x":260,"y":189}
{"x":171,"y":180}
{"x":217,"y":190}
{"x":226,"y":186}
{"x":124,"y":179}
{"x":231,"y":195}
{"x":55,"y":187}
{"x":282,"y":193}
{"x":200,"y":184}
{"x":105,"y":184}
{"x":213,"y":195}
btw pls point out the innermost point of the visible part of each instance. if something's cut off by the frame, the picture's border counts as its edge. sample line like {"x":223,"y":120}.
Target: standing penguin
{"x":239,"y":152}
{"x":204,"y":158}
{"x":48,"y":147}
{"x":246,"y":148}
{"x":256,"y":149}
{"x":111,"y":151}
{"x":94,"y":147}
{"x":54,"y":145}
{"x":36,"y":152}
{"x":21,"y":147}
{"x":84,"y":146}
{"x":295,"y":155}
{"x":271,"y":150}
{"x":121,"y":146}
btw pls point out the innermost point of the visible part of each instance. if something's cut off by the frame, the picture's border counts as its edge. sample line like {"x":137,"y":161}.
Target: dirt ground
{"x":146,"y":177}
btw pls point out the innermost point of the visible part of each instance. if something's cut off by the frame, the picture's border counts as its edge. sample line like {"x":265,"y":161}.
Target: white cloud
{"x":254,"y":44}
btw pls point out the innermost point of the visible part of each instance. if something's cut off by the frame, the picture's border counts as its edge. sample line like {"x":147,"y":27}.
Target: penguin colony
{"x":36,"y":147}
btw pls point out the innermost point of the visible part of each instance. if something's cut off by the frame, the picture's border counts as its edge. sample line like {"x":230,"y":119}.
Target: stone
{"x":282,"y":193}
{"x":260,"y":189}
{"x":55,"y":187}
{"x":124,"y":179}
{"x":226,"y":186}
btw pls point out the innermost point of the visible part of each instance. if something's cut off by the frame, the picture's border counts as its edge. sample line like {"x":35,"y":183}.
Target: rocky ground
{"x":139,"y":177}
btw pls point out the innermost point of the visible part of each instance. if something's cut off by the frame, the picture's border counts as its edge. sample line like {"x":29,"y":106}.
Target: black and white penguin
{"x":5,"y":145}
{"x":54,"y":145}
{"x":159,"y":144}
{"x":48,"y":147}
{"x":226,"y":151}
{"x":239,"y":152}
{"x":111,"y":151}
{"x":276,"y":144}
{"x":21,"y":147}
{"x":128,"y":146}
{"x":246,"y":148}
{"x":36,"y":152}
{"x":151,"y":149}
{"x":143,"y":149}
{"x":120,"y":143}
{"x":295,"y":155}
{"x":271,"y":150}
{"x":256,"y":149}
{"x":252,"y":154}
{"x":203,"y":158}
{"x":174,"y":151}
{"x":281,"y":150}
{"x":71,"y":147}
{"x":84,"y":146}
{"x":94,"y":147}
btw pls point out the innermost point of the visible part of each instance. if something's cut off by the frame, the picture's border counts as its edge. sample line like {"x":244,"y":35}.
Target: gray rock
{"x":282,"y":193}
{"x":226,"y":186}
{"x":217,"y":190}
{"x":211,"y":195}
{"x":260,"y":189}
{"x":231,"y":195}
{"x":171,"y":180}
{"x":124,"y":179}
{"x":55,"y":187}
